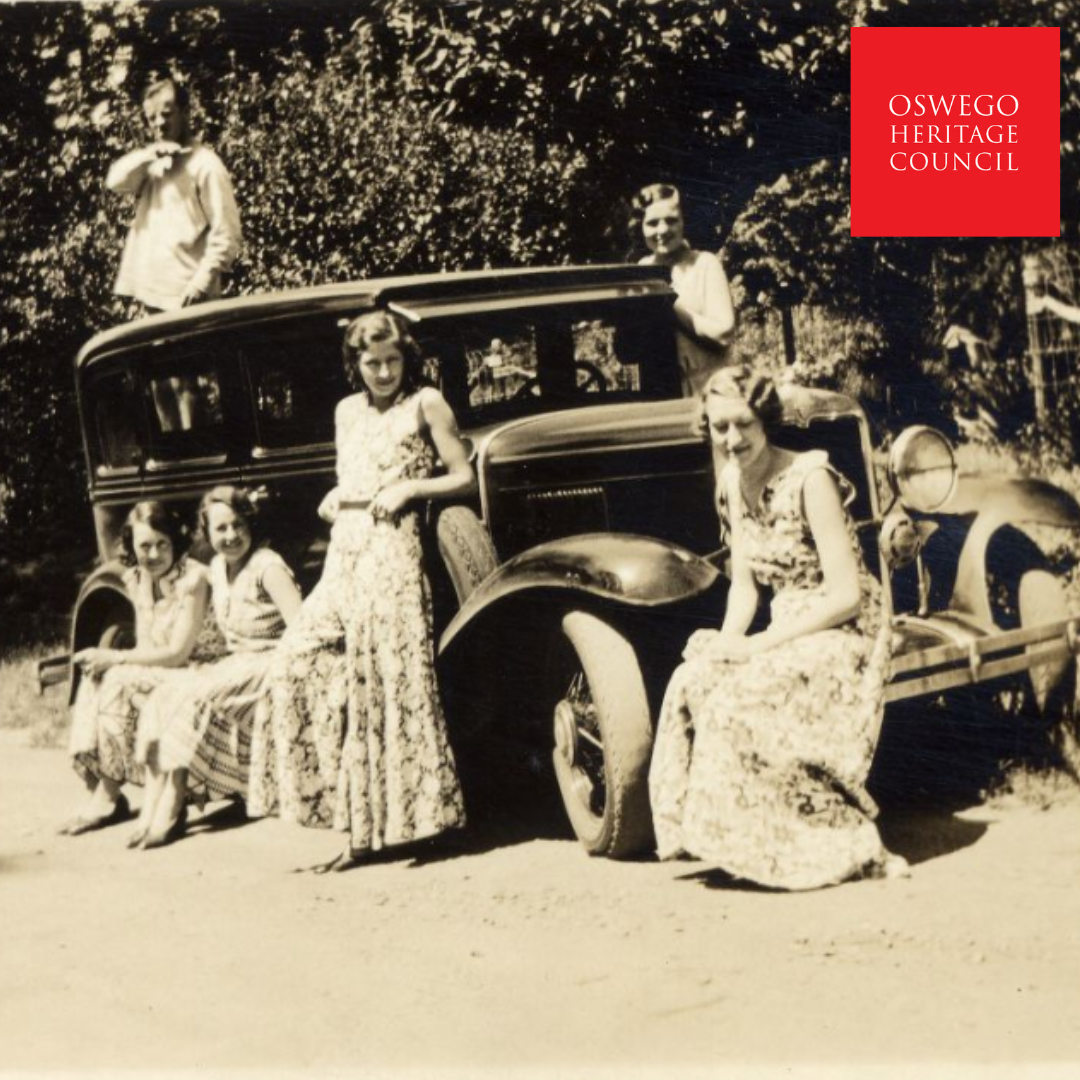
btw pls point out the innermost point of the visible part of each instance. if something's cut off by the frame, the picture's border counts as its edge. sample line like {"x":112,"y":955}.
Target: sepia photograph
{"x":530,"y":544}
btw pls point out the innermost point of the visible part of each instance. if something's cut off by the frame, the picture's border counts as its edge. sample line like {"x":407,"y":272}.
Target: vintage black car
{"x":567,"y":588}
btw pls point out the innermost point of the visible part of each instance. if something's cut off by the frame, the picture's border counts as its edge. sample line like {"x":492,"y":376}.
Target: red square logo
{"x":955,"y":131}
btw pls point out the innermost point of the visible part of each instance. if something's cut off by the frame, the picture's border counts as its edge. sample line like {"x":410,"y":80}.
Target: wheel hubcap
{"x":566,"y":735}
{"x":576,"y":745}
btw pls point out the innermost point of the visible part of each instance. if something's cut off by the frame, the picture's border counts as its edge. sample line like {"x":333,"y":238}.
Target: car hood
{"x":615,"y":426}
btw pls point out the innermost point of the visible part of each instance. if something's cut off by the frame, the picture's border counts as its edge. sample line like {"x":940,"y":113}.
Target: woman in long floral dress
{"x":355,"y":737}
{"x":765,"y":740}
{"x":195,"y":734}
{"x":169,"y":594}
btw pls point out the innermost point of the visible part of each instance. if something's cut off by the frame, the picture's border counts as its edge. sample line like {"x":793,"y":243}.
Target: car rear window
{"x":113,"y":421}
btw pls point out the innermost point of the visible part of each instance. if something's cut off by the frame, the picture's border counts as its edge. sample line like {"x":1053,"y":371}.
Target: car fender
{"x":103,"y":591}
{"x":997,"y":502}
{"x":102,"y":597}
{"x":637,"y":571}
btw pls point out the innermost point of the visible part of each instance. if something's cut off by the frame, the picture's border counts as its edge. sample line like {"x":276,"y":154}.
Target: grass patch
{"x":43,"y":716}
{"x":1040,"y":788}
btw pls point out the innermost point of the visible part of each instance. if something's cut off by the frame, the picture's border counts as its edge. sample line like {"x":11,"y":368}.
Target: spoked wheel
{"x":603,"y":741}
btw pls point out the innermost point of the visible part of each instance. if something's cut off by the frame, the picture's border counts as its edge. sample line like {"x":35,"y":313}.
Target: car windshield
{"x":497,"y":367}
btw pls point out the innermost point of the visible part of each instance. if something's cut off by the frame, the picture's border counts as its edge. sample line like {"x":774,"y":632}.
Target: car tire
{"x":603,"y":741}
{"x":1042,"y":600}
{"x":117,"y":632}
{"x":466,"y":549}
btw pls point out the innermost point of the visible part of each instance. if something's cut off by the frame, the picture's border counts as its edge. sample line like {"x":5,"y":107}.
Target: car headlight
{"x":922,"y":468}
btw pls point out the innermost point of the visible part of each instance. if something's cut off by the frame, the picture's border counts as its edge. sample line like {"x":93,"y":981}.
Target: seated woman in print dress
{"x":765,"y":740}
{"x":169,"y":593}
{"x":195,"y":735}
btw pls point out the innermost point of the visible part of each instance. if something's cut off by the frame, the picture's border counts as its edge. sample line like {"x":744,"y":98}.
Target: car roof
{"x":424,"y":290}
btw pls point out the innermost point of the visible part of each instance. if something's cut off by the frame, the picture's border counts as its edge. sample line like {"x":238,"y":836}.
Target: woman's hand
{"x":737,"y":648}
{"x":329,"y":507}
{"x":389,"y":502}
{"x":722,"y":646}
{"x":95,"y":662}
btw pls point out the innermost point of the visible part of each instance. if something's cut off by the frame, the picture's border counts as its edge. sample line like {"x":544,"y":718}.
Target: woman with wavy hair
{"x":195,"y":734}
{"x":703,"y":309}
{"x":355,"y":737}
{"x":169,"y":594}
{"x":765,"y":739}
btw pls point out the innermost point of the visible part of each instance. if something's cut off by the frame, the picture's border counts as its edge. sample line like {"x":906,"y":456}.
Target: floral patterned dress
{"x":355,"y":737}
{"x":760,"y":767}
{"x":105,"y":716}
{"x":203,"y":723}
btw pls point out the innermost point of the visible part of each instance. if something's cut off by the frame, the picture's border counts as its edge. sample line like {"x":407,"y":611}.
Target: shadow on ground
{"x":948,"y":755}
{"x":920,"y":837}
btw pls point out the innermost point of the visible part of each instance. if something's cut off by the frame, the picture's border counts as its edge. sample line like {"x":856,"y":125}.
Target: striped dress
{"x":203,"y":723}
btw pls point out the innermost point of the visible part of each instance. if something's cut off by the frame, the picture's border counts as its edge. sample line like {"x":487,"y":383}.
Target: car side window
{"x":597,"y":361}
{"x":296,"y":379}
{"x":185,"y":404}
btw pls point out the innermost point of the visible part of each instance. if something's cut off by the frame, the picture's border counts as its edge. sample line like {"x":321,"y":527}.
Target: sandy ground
{"x":499,"y":951}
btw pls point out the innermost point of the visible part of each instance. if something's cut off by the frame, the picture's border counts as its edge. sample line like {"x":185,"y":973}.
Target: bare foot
{"x":99,"y":814}
{"x":136,"y":839}
{"x":160,"y":835}
{"x":170,"y":813}
{"x":896,"y":866}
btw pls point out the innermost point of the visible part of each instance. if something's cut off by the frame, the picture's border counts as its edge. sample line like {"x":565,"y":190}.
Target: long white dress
{"x":759,"y":767}
{"x":355,"y":738}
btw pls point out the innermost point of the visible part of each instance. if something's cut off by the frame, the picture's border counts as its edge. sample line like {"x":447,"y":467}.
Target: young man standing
{"x":186,"y":230}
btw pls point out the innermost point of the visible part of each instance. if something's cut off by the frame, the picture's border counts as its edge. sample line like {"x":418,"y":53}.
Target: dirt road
{"x":502,"y":952}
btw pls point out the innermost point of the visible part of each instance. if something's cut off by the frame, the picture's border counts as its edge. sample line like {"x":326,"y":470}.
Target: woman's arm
{"x":1052,"y":304}
{"x":330,"y":505}
{"x":459,"y":478}
{"x":841,"y":597}
{"x":715,"y":323}
{"x":181,"y":642}
{"x":224,"y":237}
{"x":278,"y":582}
{"x":743,"y":596}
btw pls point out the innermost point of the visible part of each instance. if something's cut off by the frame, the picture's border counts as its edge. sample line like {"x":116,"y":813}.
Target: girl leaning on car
{"x":355,"y":737}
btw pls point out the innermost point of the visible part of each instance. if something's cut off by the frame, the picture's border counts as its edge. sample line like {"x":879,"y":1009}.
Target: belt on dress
{"x":355,"y":504}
